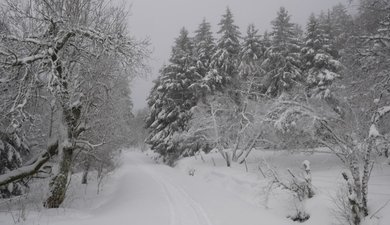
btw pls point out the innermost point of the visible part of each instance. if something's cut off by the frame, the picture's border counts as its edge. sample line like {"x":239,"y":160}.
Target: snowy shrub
{"x":191,"y":172}
{"x":301,"y":188}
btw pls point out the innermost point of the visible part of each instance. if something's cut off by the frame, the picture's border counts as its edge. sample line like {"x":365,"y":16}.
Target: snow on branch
{"x":31,"y":168}
{"x":29,"y":59}
{"x":88,"y":144}
{"x":380,"y":113}
{"x":30,"y":40}
{"x":373,"y":132}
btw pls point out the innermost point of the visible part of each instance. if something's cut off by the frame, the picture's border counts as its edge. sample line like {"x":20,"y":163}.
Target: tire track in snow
{"x":200,"y":212}
{"x":195,"y":207}
{"x":183,"y":208}
{"x":173,"y":215}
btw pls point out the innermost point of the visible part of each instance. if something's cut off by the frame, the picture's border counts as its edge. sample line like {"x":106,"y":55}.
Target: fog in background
{"x":161,"y":21}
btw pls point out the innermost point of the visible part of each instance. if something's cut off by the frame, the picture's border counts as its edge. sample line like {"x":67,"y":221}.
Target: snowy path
{"x":145,"y":193}
{"x":183,"y":209}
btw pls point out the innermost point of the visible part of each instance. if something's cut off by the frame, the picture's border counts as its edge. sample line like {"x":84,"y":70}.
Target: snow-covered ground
{"x":143,"y":192}
{"x":252,"y":187}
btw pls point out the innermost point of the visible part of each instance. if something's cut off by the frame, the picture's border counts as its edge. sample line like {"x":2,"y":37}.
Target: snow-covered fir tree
{"x":204,"y":48}
{"x":266,"y":39}
{"x":318,"y":64}
{"x":225,"y":59}
{"x":251,"y":56}
{"x":171,"y":99}
{"x":342,"y":25}
{"x":337,"y":27}
{"x":282,"y":64}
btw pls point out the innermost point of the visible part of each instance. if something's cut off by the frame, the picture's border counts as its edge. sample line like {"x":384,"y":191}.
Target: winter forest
{"x":243,"y":125}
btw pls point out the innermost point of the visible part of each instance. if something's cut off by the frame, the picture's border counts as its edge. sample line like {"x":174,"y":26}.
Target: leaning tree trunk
{"x":58,"y":184}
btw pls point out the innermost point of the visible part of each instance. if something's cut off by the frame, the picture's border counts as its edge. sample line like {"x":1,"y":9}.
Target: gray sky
{"x":161,"y":21}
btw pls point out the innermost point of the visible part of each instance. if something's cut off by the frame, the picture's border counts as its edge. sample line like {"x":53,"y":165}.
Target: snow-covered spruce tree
{"x":337,"y":26}
{"x":317,"y":62}
{"x":266,"y":40}
{"x":225,"y":59}
{"x":204,"y":47}
{"x":371,"y":15}
{"x":342,"y":26}
{"x":61,"y":42}
{"x":251,"y":56}
{"x":282,"y":63}
{"x":171,"y":99}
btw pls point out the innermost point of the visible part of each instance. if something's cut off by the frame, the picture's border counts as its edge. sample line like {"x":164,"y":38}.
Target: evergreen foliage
{"x":282,"y":64}
{"x":171,"y":99}
{"x":225,"y":59}
{"x":319,"y":66}
{"x":204,"y":48}
{"x":251,"y":56}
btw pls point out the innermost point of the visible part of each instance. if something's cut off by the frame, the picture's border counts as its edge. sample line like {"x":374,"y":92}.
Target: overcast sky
{"x":161,"y":21}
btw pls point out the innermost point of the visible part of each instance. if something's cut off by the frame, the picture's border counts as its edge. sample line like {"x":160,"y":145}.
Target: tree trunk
{"x":58,"y":184}
{"x":355,"y":191}
{"x":84,"y":179}
{"x":356,"y":216}
{"x":236,"y":145}
{"x":248,"y":149}
{"x":227,"y":158}
{"x":366,"y":176}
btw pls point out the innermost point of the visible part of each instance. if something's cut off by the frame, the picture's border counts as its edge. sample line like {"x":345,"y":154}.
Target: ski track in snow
{"x":183,"y":208}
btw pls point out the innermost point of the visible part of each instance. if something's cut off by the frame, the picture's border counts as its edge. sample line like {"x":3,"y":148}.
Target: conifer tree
{"x":251,"y":55}
{"x":342,"y":25}
{"x":282,"y":65}
{"x":337,"y":26}
{"x":266,"y":40}
{"x":225,"y":59}
{"x":171,"y":99}
{"x":204,"y":48}
{"x":319,"y":66}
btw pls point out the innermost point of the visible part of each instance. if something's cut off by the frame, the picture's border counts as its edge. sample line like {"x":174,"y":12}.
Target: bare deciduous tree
{"x":55,"y":45}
